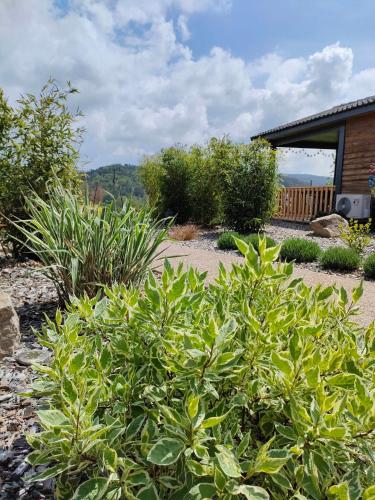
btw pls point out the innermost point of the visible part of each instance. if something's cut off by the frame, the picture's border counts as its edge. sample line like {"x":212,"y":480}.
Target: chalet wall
{"x":359,"y":153}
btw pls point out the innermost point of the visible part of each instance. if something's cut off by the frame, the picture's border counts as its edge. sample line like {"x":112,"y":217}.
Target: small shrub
{"x":226,"y":240}
{"x":254,"y":240}
{"x":369,"y":266}
{"x":85,"y":247}
{"x":258,"y":387}
{"x":340,"y":258}
{"x":39,"y":147}
{"x":356,"y":235}
{"x":184,"y":233}
{"x":300,"y":250}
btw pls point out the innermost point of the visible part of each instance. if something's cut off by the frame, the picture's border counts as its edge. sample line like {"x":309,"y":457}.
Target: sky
{"x":152,"y":73}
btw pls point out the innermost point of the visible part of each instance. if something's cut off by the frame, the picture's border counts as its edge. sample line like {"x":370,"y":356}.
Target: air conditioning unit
{"x":354,"y":206}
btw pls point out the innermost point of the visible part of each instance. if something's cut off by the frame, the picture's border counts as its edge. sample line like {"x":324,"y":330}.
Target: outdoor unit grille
{"x":354,"y":206}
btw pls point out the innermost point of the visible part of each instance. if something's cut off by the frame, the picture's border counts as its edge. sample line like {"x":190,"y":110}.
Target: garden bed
{"x":280,"y":231}
{"x":33,"y":297}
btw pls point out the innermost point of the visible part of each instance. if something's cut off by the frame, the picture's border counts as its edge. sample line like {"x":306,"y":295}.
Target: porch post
{"x":339,"y":163}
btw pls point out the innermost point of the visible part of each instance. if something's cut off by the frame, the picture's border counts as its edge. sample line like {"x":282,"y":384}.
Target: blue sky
{"x":155,"y":72}
{"x":293,"y":28}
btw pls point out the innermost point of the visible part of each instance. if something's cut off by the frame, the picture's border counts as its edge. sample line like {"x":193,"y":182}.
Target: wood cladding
{"x":359,"y":153}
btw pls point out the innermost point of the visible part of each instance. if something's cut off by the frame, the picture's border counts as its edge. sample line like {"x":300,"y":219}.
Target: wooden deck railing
{"x":304,"y":203}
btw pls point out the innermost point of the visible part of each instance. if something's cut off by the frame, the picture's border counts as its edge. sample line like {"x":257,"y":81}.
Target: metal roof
{"x":357,"y":107}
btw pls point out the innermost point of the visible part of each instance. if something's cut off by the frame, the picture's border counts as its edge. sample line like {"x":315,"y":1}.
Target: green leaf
{"x":213,"y":421}
{"x":339,"y":491}
{"x":134,"y":427}
{"x":357,"y":293}
{"x":201,"y":491}
{"x":228,"y":463}
{"x":166,"y":451}
{"x":252,"y":492}
{"x":286,"y":432}
{"x":344,"y":380}
{"x":54,"y":471}
{"x":77,"y":362}
{"x":93,"y":489}
{"x":282,"y":363}
{"x":148,"y":493}
{"x":52,"y":418}
{"x":369,"y":493}
{"x":244,"y":444}
{"x":327,"y":292}
{"x":193,"y":406}
{"x":333,"y":432}
{"x":242,"y":246}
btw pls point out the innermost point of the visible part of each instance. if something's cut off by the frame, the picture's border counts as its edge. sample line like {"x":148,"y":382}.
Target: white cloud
{"x":141,"y":88}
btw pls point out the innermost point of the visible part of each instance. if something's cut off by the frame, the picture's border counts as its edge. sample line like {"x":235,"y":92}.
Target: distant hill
{"x":295,"y":180}
{"x":117,"y":179}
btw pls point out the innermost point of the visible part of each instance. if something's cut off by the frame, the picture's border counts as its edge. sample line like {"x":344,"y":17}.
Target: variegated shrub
{"x":256,"y":387}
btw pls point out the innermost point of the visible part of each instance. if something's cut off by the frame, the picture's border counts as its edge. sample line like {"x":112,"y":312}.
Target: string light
{"x":317,"y":152}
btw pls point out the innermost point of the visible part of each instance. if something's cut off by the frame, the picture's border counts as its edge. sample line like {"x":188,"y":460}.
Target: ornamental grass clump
{"x":84,"y":246}
{"x":257,"y":386}
{"x":340,"y":259}
{"x":300,"y":250}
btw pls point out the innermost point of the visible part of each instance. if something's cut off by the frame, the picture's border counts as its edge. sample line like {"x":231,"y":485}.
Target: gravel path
{"x":208,"y":260}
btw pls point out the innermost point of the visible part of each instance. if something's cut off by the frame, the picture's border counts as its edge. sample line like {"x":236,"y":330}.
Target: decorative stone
{"x":328,"y":226}
{"x":27,"y":357}
{"x":9,"y":327}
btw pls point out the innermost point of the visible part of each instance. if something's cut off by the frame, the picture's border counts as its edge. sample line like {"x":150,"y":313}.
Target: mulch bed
{"x":33,"y":297}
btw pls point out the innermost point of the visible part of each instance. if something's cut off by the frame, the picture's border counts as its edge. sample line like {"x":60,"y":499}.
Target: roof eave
{"x":326,"y":122}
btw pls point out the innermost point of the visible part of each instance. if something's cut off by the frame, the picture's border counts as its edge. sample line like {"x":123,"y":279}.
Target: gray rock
{"x":328,"y":226}
{"x":27,"y":357}
{"x":9,"y":327}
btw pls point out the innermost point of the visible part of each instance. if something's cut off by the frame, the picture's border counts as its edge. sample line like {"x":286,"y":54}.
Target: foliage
{"x":256,"y":386}
{"x":340,"y":258}
{"x":84,"y":246}
{"x":222,"y":181}
{"x":250,"y":185}
{"x":300,"y":250}
{"x":227,"y":240}
{"x":369,"y":266}
{"x":356,"y":235}
{"x":166,"y":180}
{"x":204,"y":184}
{"x":184,"y":233}
{"x":39,"y":147}
{"x":255,"y":239}
{"x":114,"y":181}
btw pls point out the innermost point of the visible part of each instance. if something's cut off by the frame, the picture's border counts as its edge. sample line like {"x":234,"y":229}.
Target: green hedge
{"x":300,"y":250}
{"x":340,"y":258}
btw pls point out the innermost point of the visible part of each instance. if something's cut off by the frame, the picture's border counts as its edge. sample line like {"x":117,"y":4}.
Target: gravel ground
{"x":33,"y":296}
{"x":279,"y":231}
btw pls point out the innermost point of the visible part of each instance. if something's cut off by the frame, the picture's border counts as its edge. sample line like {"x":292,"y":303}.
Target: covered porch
{"x":307,"y":202}
{"x":348,"y":130}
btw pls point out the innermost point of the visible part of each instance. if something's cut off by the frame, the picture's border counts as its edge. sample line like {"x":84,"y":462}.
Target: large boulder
{"x":9,"y":327}
{"x":328,"y":226}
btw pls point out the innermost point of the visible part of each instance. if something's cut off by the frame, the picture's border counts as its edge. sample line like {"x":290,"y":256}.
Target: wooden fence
{"x":304,"y":203}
